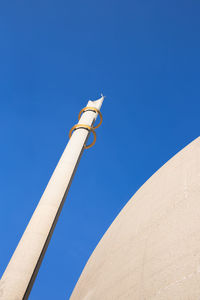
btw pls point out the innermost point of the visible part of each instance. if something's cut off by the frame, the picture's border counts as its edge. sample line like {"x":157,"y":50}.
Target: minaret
{"x":19,"y":276}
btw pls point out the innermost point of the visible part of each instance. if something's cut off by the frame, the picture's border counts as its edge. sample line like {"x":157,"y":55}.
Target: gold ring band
{"x":89,"y":128}
{"x":92,"y":109}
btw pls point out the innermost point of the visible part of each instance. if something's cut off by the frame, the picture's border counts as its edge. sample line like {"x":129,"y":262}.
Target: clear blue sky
{"x":54,"y":57}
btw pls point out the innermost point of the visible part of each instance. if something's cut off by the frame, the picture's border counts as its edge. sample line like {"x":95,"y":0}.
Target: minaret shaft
{"x":19,"y":276}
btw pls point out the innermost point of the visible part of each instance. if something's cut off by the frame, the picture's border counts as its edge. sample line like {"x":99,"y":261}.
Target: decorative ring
{"x":89,"y":128}
{"x":92,"y":109}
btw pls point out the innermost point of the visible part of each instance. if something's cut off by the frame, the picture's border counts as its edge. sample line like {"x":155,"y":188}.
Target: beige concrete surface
{"x":152,"y":249}
{"x":18,"y":278}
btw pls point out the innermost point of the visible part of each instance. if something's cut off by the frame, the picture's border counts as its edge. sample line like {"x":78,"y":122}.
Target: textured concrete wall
{"x":152,"y":249}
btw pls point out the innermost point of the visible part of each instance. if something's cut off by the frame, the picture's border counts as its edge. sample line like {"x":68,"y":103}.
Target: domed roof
{"x":152,"y":249}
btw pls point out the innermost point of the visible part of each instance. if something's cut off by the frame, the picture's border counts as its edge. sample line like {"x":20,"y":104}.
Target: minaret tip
{"x":97,"y":103}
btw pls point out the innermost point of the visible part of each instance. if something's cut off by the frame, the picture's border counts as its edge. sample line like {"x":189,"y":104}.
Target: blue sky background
{"x":54,"y":57}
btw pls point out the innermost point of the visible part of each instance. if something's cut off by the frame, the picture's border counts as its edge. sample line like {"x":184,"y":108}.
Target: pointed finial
{"x":97,"y":103}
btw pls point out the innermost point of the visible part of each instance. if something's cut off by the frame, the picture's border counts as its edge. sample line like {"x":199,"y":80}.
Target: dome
{"x":152,"y":249}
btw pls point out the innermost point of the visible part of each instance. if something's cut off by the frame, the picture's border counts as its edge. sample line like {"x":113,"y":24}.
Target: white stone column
{"x":19,"y":276}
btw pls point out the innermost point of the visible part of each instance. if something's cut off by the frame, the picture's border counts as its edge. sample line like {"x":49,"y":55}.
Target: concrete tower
{"x":152,"y":249}
{"x":19,"y":276}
